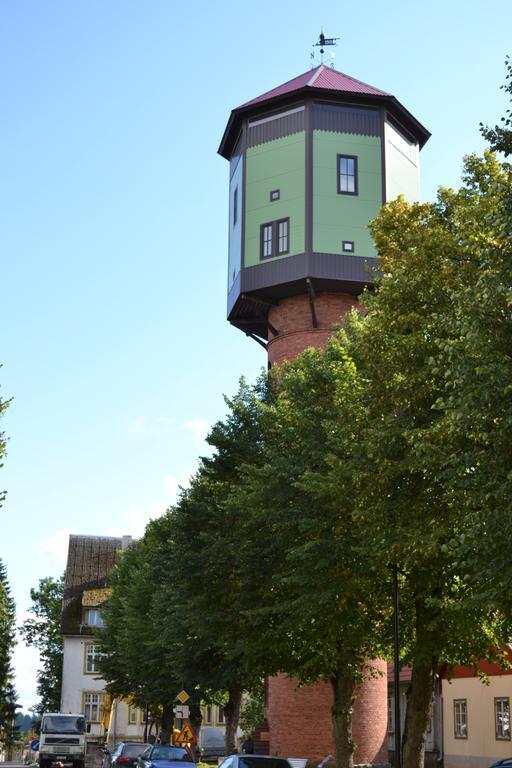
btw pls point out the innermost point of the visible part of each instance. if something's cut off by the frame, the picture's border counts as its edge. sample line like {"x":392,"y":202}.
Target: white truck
{"x":62,"y":740}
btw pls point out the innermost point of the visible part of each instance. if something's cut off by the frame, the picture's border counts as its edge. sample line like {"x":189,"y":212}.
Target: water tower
{"x":311,"y":163}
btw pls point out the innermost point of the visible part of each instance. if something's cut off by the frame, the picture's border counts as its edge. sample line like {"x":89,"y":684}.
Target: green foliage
{"x":8,"y":705}
{"x":252,"y":711}
{"x":42,"y":631}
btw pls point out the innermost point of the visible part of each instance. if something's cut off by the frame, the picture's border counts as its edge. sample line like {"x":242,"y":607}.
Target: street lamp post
{"x":396,"y":666}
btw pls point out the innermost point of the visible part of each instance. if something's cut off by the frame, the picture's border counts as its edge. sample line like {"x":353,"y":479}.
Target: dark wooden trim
{"x":262,"y":240}
{"x":312,"y":299}
{"x":356,"y":175}
{"x":274,"y":243}
{"x":383,"y":154}
{"x":288,"y":235}
{"x":244,"y":194}
{"x":258,"y":300}
{"x":308,"y":191}
{"x":256,"y":338}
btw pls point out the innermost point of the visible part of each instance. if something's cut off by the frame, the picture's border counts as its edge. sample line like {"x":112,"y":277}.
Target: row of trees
{"x":391,"y":446}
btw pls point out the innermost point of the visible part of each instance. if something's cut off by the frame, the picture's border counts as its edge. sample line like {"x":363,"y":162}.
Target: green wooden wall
{"x":278,"y":164}
{"x":345,"y":217}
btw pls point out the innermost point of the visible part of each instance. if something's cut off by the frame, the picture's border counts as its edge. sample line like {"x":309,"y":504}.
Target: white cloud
{"x":199,"y":427}
{"x":137,"y":426}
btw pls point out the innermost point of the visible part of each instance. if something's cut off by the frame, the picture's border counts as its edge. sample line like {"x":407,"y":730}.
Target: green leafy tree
{"x":42,"y":631}
{"x":410,"y":496}
{"x":136,"y":664}
{"x":201,"y":574}
{"x":8,"y":705}
{"x":315,"y":606}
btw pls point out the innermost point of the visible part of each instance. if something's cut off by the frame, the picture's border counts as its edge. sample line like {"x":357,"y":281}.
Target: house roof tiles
{"x":90,"y":560}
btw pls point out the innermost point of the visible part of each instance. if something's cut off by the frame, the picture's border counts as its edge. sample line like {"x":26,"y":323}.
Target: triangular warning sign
{"x":186,"y":735}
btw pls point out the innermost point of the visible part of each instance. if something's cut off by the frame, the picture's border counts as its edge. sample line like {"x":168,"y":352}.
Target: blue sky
{"x":113,"y":236}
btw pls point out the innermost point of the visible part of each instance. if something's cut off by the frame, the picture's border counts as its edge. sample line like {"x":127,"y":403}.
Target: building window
{"x":92,"y":655}
{"x":275,"y":238}
{"x":93,"y":706}
{"x":347,"y":246}
{"x":391,"y":727}
{"x":235,"y":206}
{"x":132,"y":715}
{"x":347,"y":175}
{"x":460,"y":718}
{"x":93,"y":618}
{"x":208,"y":715}
{"x":275,"y":194}
{"x":502,"y":717}
{"x":220,"y":715}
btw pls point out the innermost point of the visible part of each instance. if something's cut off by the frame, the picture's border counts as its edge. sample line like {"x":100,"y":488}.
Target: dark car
{"x":254,"y":761}
{"x":124,"y":755}
{"x":165,"y":756}
{"x":505,"y":763}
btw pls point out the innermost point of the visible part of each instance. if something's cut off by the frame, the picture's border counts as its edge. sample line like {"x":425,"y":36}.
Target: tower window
{"x":275,"y":195}
{"x":347,"y":246}
{"x":347,"y":175}
{"x":235,"y":206}
{"x":275,"y":238}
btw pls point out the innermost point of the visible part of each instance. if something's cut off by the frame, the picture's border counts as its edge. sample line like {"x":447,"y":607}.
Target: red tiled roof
{"x":321,"y":77}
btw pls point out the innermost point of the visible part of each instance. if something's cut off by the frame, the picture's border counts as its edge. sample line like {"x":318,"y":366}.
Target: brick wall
{"x":293,"y":320}
{"x":299,"y":719}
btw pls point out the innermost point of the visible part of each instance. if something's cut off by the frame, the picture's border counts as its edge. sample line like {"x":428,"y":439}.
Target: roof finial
{"x":323,"y":43}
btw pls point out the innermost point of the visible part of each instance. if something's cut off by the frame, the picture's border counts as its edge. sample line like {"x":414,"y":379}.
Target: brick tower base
{"x":293,"y":320}
{"x":299,"y":719}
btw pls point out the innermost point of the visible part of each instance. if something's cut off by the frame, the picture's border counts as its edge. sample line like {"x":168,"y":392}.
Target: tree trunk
{"x":231,"y":716}
{"x":343,"y":685}
{"x":167,"y":723}
{"x":419,"y":706}
{"x":195,"y":718}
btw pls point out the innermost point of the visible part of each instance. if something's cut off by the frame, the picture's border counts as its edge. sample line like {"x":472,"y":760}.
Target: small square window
{"x":347,"y":246}
{"x":275,"y":195}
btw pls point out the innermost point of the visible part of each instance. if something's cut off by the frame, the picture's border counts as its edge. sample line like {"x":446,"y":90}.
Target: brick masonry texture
{"x":293,"y":321}
{"x":299,"y":719}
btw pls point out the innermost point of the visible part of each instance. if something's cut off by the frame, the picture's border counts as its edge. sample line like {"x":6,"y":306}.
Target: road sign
{"x":186,"y":735}
{"x":182,"y":697}
{"x":34,"y":745}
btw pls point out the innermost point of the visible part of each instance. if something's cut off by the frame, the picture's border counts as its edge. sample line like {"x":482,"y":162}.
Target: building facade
{"x":476,"y":716}
{"x":90,"y":560}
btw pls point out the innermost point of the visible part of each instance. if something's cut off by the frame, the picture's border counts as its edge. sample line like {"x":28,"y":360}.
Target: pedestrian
{"x":248,"y":746}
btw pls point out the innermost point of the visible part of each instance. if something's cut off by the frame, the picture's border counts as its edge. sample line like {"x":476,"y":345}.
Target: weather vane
{"x":323,"y":43}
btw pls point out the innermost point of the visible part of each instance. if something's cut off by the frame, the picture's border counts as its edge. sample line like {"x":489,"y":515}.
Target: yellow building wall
{"x":481,"y":747}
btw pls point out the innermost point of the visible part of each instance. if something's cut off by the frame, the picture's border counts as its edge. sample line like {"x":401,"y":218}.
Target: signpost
{"x":34,"y":745}
{"x":186,"y":736}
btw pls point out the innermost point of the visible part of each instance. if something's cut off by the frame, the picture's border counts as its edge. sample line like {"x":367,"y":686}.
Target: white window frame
{"x":502,"y":718}
{"x":92,"y":653}
{"x":93,"y":706}
{"x":460,"y":718}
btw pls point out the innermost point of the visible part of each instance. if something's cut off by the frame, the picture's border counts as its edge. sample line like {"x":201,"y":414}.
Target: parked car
{"x":124,"y":755}
{"x":255,"y":761}
{"x":211,"y":743}
{"x":506,"y":762}
{"x":165,"y":756}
